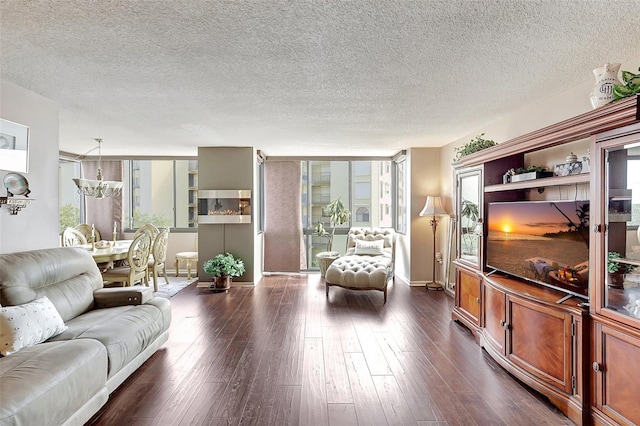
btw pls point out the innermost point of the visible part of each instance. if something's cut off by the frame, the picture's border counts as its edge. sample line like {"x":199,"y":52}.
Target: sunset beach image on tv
{"x":546,"y":242}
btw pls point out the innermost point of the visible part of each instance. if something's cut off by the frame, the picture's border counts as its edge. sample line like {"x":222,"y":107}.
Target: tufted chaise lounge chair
{"x":368,"y":263}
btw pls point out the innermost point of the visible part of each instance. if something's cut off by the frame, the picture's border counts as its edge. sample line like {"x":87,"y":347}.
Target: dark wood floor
{"x":282,"y":354}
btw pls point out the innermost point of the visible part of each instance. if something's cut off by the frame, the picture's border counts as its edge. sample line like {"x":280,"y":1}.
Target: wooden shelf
{"x":540,"y":183}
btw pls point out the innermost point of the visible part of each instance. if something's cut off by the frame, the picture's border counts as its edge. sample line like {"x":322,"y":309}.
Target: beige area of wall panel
{"x":227,"y":168}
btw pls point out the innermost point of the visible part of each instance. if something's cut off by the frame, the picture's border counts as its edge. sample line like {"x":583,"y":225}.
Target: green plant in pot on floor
{"x":338,"y":215}
{"x":616,"y":270}
{"x":223,"y":268}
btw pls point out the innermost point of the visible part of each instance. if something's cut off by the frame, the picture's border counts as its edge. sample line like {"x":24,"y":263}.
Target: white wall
{"x":36,"y":226}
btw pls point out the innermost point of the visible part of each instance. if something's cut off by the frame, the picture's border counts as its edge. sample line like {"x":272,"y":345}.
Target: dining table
{"x":107,"y":256}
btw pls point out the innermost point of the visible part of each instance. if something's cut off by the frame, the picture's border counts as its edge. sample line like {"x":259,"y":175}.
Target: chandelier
{"x":97,"y":187}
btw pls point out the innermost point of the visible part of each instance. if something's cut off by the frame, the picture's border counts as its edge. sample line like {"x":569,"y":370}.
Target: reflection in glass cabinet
{"x":470,"y":216}
{"x":622,"y":242}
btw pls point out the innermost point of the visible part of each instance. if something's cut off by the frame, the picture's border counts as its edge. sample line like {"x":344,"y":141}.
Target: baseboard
{"x":424,"y":284}
{"x":206,"y":284}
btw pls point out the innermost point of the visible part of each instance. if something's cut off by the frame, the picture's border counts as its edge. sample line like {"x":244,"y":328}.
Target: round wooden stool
{"x":188,"y":257}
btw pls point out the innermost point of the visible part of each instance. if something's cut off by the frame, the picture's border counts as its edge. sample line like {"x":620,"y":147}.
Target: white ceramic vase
{"x":606,"y":77}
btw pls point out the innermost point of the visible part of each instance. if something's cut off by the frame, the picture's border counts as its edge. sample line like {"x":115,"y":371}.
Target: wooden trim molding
{"x":617,"y":114}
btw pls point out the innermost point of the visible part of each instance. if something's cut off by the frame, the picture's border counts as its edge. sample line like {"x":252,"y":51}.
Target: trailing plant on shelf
{"x":474,"y":145}
{"x":630,"y":87}
{"x":338,"y":214}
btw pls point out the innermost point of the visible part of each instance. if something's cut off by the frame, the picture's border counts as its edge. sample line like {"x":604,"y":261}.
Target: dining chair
{"x":150,"y":228}
{"x":158,"y":258}
{"x":72,"y":237}
{"x":137,"y":263}
{"x":153,"y":232}
{"x":85,"y":229}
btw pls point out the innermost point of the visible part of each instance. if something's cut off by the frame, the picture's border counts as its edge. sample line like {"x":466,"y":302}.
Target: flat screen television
{"x":544,"y":242}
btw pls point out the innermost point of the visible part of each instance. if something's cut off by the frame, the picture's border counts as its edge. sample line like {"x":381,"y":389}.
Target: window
{"x":401,"y":195}
{"x":361,"y":187}
{"x":362,"y":190}
{"x":70,"y":202}
{"x":162,"y":192}
{"x":362,"y":168}
{"x":362,"y":214}
{"x":258,"y":195}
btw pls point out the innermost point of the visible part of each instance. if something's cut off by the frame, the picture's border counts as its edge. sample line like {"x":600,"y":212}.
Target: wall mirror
{"x":469,"y":209}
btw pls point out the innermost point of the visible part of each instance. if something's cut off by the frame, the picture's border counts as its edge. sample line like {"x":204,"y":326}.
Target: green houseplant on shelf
{"x":616,"y":270}
{"x":338,"y":215}
{"x":474,"y":145}
{"x":223,"y":267}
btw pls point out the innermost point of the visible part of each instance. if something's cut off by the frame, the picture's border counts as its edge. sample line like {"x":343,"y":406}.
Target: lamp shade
{"x":433,"y":207}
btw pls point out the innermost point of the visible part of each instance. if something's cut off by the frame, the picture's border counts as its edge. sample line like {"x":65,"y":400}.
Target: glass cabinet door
{"x":619,"y":282}
{"x":469,"y":208}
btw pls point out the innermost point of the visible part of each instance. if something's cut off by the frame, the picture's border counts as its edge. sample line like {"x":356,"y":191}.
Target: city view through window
{"x":365,"y":188}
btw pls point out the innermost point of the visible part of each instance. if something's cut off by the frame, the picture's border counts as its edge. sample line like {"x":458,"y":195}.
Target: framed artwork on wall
{"x":14,"y":146}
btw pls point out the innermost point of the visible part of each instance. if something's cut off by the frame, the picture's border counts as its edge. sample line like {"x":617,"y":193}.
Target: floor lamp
{"x":433,"y":207}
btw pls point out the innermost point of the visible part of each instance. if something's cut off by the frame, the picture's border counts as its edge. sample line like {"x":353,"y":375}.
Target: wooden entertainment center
{"x":582,"y":353}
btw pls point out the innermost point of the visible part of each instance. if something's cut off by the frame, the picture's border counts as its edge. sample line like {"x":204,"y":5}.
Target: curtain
{"x":102,"y":213}
{"x":283,"y":239}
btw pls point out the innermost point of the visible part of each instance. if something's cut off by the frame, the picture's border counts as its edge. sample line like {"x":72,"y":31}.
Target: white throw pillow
{"x":26,"y":325}
{"x":369,"y":247}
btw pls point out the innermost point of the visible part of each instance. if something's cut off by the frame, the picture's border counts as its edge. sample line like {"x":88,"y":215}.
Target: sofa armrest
{"x":120,"y":296}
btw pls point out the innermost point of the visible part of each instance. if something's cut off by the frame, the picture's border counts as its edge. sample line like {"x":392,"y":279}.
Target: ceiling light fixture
{"x":98,"y":188}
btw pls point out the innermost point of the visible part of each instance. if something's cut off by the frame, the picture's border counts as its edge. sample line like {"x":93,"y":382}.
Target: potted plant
{"x":338,"y":214}
{"x":529,"y":173}
{"x":223,"y":268}
{"x":616,"y":270}
{"x":474,"y":145}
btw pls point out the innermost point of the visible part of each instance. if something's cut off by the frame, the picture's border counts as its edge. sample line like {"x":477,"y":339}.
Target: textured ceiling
{"x":300,"y":77}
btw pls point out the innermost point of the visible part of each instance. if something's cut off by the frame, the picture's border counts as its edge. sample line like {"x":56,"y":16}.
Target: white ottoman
{"x":357,"y":272}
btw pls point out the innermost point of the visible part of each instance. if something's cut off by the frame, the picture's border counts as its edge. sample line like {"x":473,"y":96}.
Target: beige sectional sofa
{"x":101,"y":335}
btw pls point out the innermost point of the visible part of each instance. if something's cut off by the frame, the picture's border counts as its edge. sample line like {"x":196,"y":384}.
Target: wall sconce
{"x":17,"y":193}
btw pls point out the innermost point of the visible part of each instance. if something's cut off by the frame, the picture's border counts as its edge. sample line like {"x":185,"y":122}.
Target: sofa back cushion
{"x":387,"y":235}
{"x":67,"y":276}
